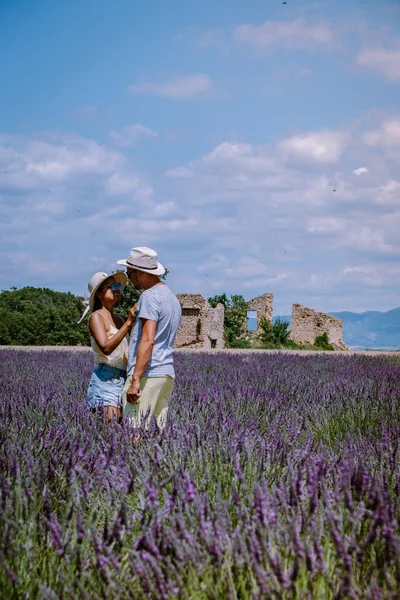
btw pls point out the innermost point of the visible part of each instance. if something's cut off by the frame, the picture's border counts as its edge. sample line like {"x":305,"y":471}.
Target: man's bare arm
{"x":145,"y":347}
{"x":143,"y":356}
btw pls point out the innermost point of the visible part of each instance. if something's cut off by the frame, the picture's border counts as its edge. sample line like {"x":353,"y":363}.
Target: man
{"x":150,"y":372}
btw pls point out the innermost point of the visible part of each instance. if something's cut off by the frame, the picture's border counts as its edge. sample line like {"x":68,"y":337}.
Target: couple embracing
{"x":133,"y":376}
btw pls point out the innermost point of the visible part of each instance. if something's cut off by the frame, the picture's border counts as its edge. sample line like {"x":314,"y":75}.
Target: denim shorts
{"x":105,"y":386}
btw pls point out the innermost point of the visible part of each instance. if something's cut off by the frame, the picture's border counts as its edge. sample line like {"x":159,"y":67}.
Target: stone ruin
{"x":308,"y":323}
{"x":201,"y":325}
{"x":263,"y":307}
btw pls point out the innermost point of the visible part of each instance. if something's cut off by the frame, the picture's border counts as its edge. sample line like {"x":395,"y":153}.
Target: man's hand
{"x":134,"y":392}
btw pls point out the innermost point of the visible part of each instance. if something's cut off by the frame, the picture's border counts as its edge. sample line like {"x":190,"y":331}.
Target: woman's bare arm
{"x":97,"y":326}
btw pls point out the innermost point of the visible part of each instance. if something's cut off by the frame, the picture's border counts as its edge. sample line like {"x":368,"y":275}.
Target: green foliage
{"x":219,"y":299}
{"x":275,"y":335}
{"x":129,"y":297}
{"x":234,"y":316}
{"x":241,"y":343}
{"x":39,"y":317}
{"x":322,"y":342}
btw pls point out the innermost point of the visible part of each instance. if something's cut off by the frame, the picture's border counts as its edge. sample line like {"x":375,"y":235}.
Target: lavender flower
{"x":276,"y":475}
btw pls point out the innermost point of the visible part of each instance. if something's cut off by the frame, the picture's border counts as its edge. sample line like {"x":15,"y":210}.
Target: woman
{"x":109,"y":340}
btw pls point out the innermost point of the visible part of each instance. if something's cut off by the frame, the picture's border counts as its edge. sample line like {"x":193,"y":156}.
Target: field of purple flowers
{"x":277,"y":477}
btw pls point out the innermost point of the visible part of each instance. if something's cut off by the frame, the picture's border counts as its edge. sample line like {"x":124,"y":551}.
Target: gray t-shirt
{"x":161,"y":305}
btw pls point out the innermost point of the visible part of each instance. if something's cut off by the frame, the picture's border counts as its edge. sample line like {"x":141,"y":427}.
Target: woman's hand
{"x":131,"y":318}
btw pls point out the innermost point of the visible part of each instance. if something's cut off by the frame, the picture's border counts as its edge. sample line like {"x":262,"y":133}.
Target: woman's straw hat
{"x":95,"y":282}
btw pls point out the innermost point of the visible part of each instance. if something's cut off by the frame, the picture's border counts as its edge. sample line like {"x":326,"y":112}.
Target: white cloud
{"x":391,"y":187}
{"x":246,"y":271}
{"x":53,"y":159}
{"x":372,"y":238}
{"x":375,"y":278}
{"x":241,"y":218}
{"x":355,"y":270}
{"x":241,"y":165}
{"x":387,"y":135}
{"x":155,"y":228}
{"x":319,"y":147}
{"x":376,"y":274}
{"x":164,"y":209}
{"x":179,"y":87}
{"x":54,"y":164}
{"x":281,"y":210}
{"x":295,"y":34}
{"x":121,"y":183}
{"x":382,"y":60}
{"x":63,"y":196}
{"x":326,"y":225}
{"x":360,"y":171}
{"x":267,"y":283}
{"x":234,"y":154}
{"x":130,"y":135}
{"x":179,"y":172}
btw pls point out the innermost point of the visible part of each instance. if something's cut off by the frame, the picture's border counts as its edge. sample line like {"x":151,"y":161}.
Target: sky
{"x":254,"y":145}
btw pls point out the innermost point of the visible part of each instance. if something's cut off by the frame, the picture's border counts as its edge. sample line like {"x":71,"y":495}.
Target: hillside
{"x":368,"y":330}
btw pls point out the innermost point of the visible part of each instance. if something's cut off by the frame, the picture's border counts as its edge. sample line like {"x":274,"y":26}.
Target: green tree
{"x":129,"y":297}
{"x":322,"y":342}
{"x":234,"y":315}
{"x":274,"y":335}
{"x":40,"y":316}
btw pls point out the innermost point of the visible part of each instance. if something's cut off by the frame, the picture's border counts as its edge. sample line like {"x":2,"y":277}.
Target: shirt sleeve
{"x":149,"y":307}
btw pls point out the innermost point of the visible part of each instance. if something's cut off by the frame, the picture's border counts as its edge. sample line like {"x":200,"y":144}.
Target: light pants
{"x":154,"y":399}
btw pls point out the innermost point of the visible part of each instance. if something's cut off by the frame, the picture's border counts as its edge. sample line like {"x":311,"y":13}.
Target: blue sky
{"x":255,"y":145}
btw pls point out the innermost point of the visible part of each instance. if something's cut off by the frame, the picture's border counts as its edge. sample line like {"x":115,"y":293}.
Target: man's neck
{"x":152,"y":282}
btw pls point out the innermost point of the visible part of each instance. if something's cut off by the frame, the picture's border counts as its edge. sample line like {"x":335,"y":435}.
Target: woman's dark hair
{"x":97,"y":303}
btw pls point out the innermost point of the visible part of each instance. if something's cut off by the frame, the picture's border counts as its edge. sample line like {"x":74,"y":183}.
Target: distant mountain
{"x":369,"y":330}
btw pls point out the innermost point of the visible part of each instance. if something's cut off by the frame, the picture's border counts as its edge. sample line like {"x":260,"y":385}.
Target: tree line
{"x":32,"y":316}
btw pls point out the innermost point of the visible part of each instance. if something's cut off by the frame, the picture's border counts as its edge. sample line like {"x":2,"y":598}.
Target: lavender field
{"x":277,"y":477}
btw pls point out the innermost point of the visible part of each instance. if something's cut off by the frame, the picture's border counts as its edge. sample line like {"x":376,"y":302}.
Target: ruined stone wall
{"x":213,"y":327}
{"x":307,"y":323}
{"x":201,"y":326}
{"x":263,"y":306}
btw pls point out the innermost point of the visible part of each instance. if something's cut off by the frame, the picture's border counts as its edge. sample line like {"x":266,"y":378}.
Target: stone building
{"x":201,"y":326}
{"x":308,"y":323}
{"x":262,"y":305}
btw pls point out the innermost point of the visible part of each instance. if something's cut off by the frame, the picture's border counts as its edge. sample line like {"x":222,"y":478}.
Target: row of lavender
{"x":277,"y":477}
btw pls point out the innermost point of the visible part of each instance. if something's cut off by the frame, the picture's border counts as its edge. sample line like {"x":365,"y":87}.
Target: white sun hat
{"x":95,"y":282}
{"x":143,"y":259}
